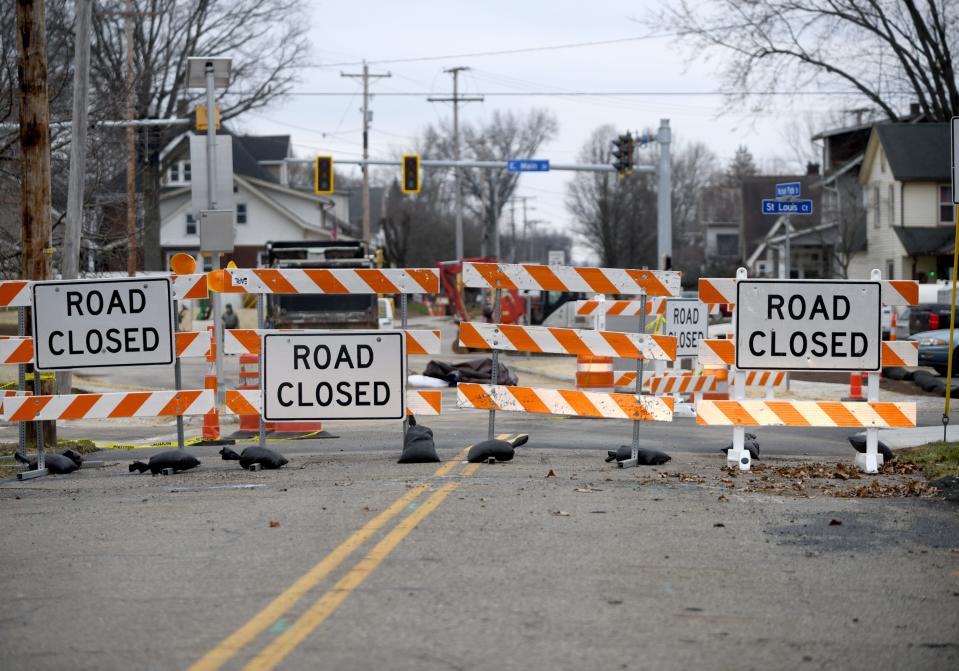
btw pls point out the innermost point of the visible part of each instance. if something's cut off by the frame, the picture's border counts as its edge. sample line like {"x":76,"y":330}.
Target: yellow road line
{"x":283,"y":645}
{"x":472,"y":468}
{"x":260,"y":622}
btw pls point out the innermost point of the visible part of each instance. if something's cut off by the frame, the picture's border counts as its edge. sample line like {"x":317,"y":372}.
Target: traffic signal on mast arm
{"x":323,"y":174}
{"x":411,"y":173}
{"x":623,"y":154}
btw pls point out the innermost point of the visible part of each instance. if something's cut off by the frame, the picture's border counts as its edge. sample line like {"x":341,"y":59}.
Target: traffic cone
{"x":855,"y":388}
{"x":211,"y":420}
{"x":594,"y":373}
{"x":249,"y":379}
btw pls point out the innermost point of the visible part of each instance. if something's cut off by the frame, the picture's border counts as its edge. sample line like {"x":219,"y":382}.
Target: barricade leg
{"x":22,"y":426}
{"x":178,"y":378}
{"x":871,"y":460}
{"x":634,"y":455}
{"x":494,"y":374}
{"x":403,"y":320}
{"x":738,"y":454}
{"x":260,"y":324}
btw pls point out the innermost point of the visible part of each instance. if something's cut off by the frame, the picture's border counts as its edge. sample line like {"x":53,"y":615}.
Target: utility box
{"x":216,"y":231}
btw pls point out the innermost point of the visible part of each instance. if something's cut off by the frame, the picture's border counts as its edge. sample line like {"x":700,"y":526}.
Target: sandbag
{"x":178,"y":460}
{"x":859,"y":443}
{"x":74,"y":456}
{"x":56,"y":464}
{"x":474,"y":370}
{"x":923,"y":378}
{"x":498,"y":449}
{"x":894,"y":372}
{"x":418,"y":446}
{"x":255,"y":454}
{"x":645,"y":456}
{"x":751,"y":446}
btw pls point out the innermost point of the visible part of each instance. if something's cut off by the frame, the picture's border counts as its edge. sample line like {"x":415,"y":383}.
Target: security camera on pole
{"x":216,"y":221}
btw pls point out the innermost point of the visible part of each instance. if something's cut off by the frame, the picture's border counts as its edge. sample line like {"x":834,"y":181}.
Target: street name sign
{"x":688,"y":320}
{"x":788,"y":190}
{"x":528,"y":165}
{"x":334,"y":375}
{"x":808,"y":325}
{"x":103,"y":323}
{"x":800,"y":207}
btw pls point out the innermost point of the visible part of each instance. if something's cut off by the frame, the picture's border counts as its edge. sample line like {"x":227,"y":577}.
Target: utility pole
{"x":523,"y":199}
{"x":131,"y":150}
{"x":664,"y":199}
{"x":35,"y":244}
{"x":70,"y":259}
{"x":458,"y":185}
{"x":366,"y":143}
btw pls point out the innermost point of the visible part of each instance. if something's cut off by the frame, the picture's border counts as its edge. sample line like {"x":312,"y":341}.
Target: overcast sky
{"x":387,"y":30}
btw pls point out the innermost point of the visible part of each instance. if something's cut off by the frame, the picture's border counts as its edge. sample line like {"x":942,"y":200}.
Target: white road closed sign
{"x":688,"y":320}
{"x":103,"y":323}
{"x":334,"y":375}
{"x":808,"y":325}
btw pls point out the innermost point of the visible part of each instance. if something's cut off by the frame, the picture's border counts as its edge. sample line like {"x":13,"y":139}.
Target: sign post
{"x":342,"y":375}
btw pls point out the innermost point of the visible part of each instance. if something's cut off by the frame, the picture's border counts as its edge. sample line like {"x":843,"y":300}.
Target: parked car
{"x":928,"y":317}
{"x":934,"y":350}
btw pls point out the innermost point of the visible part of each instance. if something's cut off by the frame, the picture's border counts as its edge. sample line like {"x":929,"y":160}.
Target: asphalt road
{"x":347,"y":560}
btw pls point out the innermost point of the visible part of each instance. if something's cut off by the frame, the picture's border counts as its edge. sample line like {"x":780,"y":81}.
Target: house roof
{"x":916,"y":152}
{"x":266,"y":148}
{"x":926,"y":240}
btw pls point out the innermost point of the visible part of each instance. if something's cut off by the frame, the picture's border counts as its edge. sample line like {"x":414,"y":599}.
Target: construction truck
{"x":321,"y":311}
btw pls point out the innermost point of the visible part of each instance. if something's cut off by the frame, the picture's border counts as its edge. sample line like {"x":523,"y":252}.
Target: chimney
{"x":914,"y":110}
{"x":812,"y":169}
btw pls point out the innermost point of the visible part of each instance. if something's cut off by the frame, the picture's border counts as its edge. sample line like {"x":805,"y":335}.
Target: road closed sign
{"x":103,"y":323}
{"x":808,"y":325}
{"x":688,"y":320}
{"x":334,"y":375}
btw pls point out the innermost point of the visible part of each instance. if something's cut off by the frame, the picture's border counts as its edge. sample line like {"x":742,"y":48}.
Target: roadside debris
{"x":173,"y":460}
{"x":262,"y":456}
{"x":645,"y":455}
{"x":56,"y":464}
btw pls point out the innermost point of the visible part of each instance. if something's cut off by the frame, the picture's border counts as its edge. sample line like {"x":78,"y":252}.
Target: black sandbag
{"x":894,"y":372}
{"x":936,"y":385}
{"x":178,"y":460}
{"x":418,"y":446}
{"x":474,"y":370}
{"x":74,"y":456}
{"x":923,"y":377}
{"x":255,"y":454}
{"x":751,"y":446}
{"x":56,"y":464}
{"x":520,"y":440}
{"x":645,"y":456}
{"x":859,"y":443}
{"x":498,"y":449}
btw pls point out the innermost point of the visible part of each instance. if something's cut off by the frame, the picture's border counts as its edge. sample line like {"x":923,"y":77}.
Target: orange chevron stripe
{"x":708,"y":293}
{"x":545,"y":277}
{"x":588,"y":307}
{"x":570,"y":341}
{"x":908,"y":289}
{"x":891,"y":414}
{"x":28,"y":411}
{"x":23,"y":352}
{"x":9,"y":290}
{"x":184,"y":340}
{"x":80,"y":406}
{"x":495,"y":277}
{"x":736,"y":413}
{"x":413,"y":346}
{"x":129,"y":404}
{"x":597,"y":280}
{"x":426,"y":278}
{"x":470,"y":337}
{"x":668,"y":343}
{"x":530,"y":401}
{"x":434,"y":398}
{"x":248,"y":338}
{"x":520,"y":338}
{"x":377,"y":280}
{"x":238,"y":404}
{"x":199,"y":289}
{"x":649,"y":282}
{"x":325,"y":280}
{"x":579,"y":403}
{"x":178,"y":406}
{"x":477,"y":397}
{"x":839,"y":414}
{"x":621,"y":343}
{"x":787,"y":412}
{"x":274,"y":279}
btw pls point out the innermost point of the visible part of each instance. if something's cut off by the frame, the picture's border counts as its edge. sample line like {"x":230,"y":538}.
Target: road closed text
{"x":808,"y":325}
{"x":88,"y":324}
{"x":339,"y":375}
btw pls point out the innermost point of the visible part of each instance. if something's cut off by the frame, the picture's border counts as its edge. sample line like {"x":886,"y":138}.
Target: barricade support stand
{"x":21,"y":383}
{"x":738,"y":454}
{"x":260,"y":324}
{"x":871,"y":460}
{"x":640,"y":363}
{"x":403,"y":320}
{"x":494,"y":373}
{"x":178,"y":377}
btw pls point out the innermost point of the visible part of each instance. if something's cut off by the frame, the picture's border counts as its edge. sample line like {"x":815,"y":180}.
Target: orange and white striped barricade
{"x":108,"y":406}
{"x":189,"y":344}
{"x":245,"y":402}
{"x":403,"y":281}
{"x":575,"y":342}
{"x":781,"y":310}
{"x":655,"y":306}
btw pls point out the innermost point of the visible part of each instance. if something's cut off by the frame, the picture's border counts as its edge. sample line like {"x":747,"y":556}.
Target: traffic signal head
{"x":623,"y":154}
{"x":323,"y":174}
{"x":411,"y":173}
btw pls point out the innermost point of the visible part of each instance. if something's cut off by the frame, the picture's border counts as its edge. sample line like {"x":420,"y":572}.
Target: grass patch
{"x":935,"y":460}
{"x":81,"y":446}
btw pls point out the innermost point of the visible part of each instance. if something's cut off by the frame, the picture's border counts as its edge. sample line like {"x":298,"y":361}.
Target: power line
{"x":559,"y":94}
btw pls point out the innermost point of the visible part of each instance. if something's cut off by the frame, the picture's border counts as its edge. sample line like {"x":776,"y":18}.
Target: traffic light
{"x":411,"y":173}
{"x":623,"y":154}
{"x":323,"y":174}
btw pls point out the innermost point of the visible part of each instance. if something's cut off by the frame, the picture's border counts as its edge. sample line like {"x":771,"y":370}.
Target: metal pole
{"x":492,"y":165}
{"x":788,"y":269}
{"x":366,"y":153}
{"x":212,"y":203}
{"x":664,"y":214}
{"x":494,"y":374}
{"x":261,"y":324}
{"x":22,"y":382}
{"x":131,"y":150}
{"x":40,"y":450}
{"x":457,"y":178}
{"x":494,"y":217}
{"x":403,"y":320}
{"x":952,"y":323}
{"x":178,"y":378}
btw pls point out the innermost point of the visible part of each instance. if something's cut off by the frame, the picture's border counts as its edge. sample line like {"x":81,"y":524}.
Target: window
{"x":727,"y":244}
{"x":890,"y":270}
{"x":875,"y":207}
{"x":241,"y":213}
{"x":187,"y":171}
{"x":174,"y":174}
{"x":882,"y":161}
{"x":945,"y":203}
{"x":190,"y":225}
{"x":892,"y":204}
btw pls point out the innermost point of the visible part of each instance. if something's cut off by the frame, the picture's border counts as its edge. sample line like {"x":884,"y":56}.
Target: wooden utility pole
{"x":35,"y":245}
{"x":131,"y":151}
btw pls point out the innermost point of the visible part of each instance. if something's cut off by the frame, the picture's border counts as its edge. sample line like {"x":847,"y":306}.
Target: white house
{"x":267,"y":207}
{"x":905,"y":178}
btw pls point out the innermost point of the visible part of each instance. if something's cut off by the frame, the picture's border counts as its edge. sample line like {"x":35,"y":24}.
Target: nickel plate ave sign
{"x":808,"y":325}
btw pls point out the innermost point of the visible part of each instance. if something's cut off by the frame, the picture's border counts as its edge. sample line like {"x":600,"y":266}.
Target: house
{"x":267,"y":206}
{"x":907,"y":196}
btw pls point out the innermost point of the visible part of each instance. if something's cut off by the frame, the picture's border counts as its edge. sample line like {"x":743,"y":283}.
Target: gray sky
{"x":382,"y":30}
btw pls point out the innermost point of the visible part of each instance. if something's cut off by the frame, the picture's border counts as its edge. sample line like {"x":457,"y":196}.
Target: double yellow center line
{"x":283,"y":645}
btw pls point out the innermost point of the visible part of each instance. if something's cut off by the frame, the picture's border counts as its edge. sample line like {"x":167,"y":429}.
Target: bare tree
{"x":265,"y":38}
{"x":888,"y":52}
{"x":695,"y":169}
